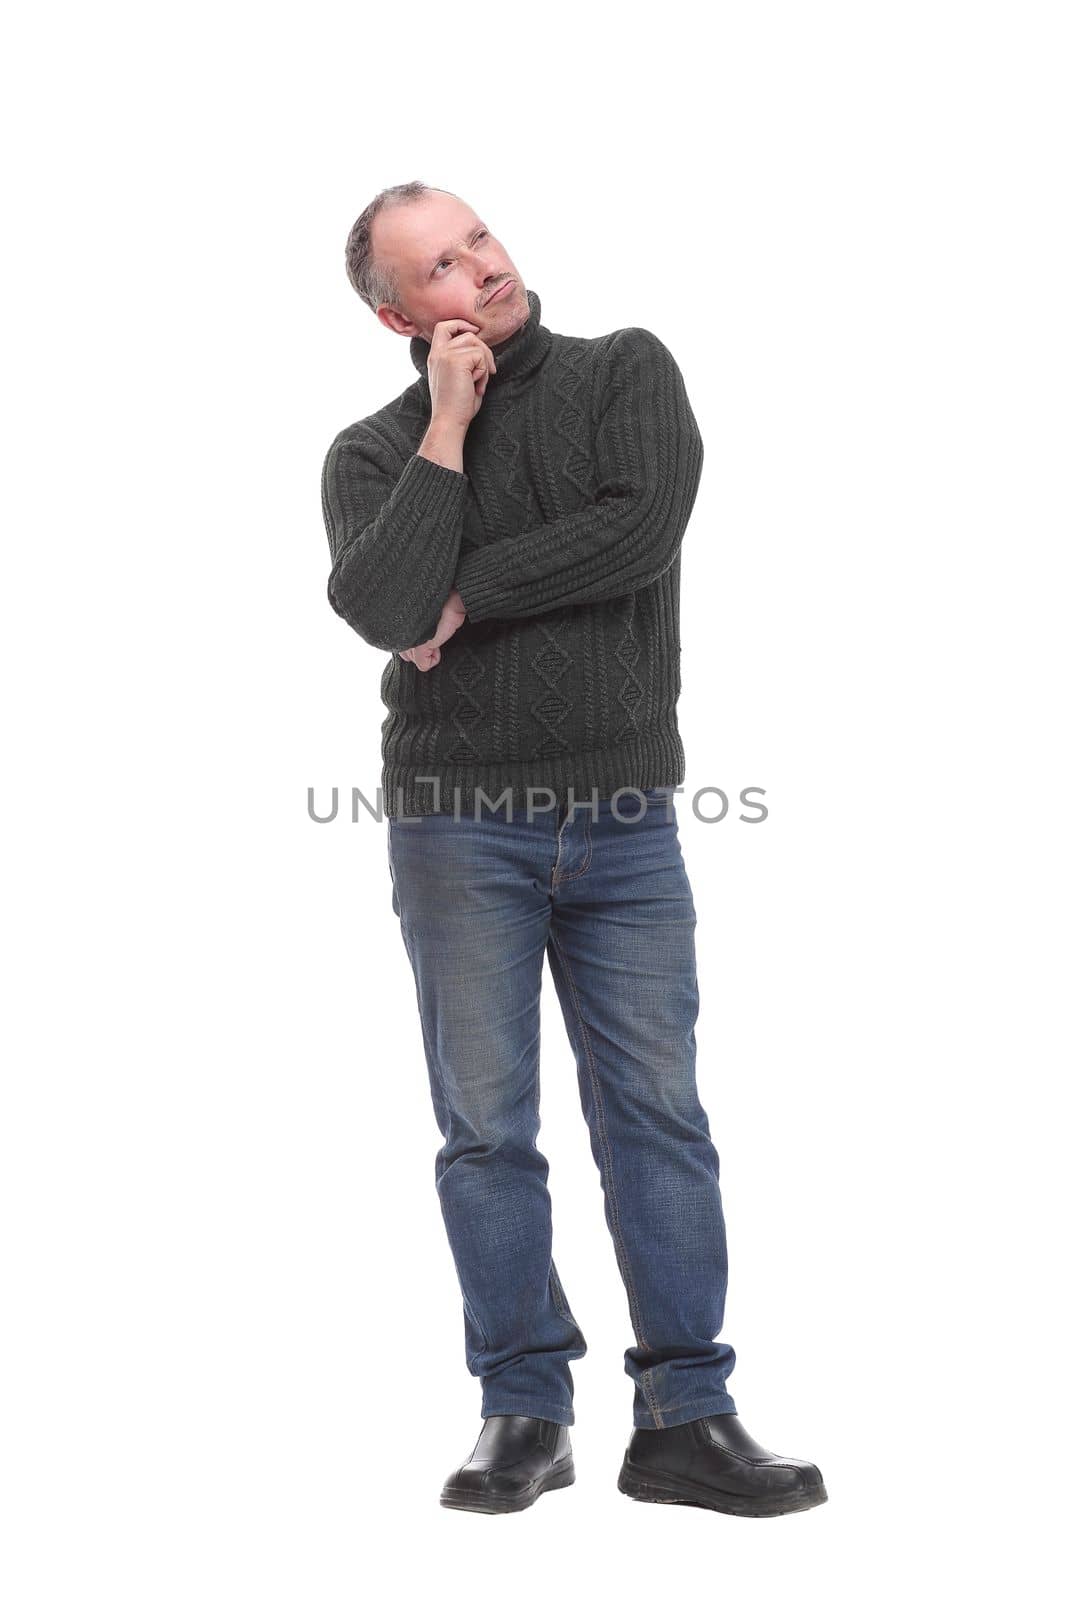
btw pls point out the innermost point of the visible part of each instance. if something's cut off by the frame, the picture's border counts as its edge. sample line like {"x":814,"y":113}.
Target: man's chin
{"x":507,"y":326}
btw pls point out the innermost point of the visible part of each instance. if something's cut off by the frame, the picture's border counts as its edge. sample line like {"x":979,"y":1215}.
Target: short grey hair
{"x":376,"y":285}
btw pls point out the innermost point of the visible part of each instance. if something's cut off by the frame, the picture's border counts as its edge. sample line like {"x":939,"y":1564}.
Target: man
{"x":509,"y":529}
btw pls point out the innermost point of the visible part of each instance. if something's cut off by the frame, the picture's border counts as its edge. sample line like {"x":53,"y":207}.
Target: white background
{"x":233,"y":1357}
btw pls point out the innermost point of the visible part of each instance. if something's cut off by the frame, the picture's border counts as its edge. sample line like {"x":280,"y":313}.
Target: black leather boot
{"x":714,"y":1462}
{"x":514,"y":1461}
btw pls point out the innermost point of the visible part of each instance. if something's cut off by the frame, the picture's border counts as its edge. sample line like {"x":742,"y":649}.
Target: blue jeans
{"x":479,"y":901}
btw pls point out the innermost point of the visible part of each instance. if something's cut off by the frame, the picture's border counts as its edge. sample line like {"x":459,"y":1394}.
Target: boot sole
{"x":558,"y":1477}
{"x":664,"y":1488}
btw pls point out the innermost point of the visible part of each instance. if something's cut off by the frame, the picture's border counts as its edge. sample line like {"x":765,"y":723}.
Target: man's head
{"x":417,"y":255}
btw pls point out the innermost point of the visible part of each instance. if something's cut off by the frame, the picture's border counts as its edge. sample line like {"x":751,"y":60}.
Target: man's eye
{"x":446,"y":259}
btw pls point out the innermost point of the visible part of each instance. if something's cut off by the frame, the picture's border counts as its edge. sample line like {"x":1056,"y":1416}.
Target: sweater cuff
{"x":478,"y":589}
{"x":436,"y":489}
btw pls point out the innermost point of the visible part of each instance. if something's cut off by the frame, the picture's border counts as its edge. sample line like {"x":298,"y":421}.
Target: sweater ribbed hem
{"x":649,"y":761}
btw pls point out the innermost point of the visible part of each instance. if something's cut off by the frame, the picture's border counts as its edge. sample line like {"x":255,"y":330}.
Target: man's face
{"x":448,"y":264}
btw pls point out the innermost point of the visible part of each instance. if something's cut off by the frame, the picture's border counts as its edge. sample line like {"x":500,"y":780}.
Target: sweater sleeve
{"x":395,"y":530}
{"x":648,"y":459}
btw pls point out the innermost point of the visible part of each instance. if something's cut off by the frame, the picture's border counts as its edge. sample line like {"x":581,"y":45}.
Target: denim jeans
{"x":480,"y":900}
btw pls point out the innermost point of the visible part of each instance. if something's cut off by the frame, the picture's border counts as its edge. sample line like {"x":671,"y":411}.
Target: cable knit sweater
{"x":562,"y":536}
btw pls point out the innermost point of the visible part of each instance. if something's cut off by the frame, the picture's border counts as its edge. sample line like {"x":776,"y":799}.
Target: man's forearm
{"x":443,"y":442}
{"x":394,"y":535}
{"x":649,"y":456}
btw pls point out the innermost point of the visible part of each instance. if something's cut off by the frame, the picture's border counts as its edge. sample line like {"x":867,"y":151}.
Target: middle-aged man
{"x":508,"y":529}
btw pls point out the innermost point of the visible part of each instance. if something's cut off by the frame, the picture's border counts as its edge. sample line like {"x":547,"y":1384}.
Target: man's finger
{"x":454,"y":325}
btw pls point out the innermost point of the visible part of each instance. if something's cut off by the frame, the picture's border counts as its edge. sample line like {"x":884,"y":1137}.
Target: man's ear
{"x":393,"y":318}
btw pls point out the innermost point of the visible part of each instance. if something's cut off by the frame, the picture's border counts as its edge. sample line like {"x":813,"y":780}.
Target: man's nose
{"x":482,"y":265}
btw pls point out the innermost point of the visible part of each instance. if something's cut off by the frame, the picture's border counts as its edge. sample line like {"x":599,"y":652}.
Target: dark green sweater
{"x":562,"y":535}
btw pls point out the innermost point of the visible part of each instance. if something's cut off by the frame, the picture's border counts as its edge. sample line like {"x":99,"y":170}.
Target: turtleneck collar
{"x":519,"y":354}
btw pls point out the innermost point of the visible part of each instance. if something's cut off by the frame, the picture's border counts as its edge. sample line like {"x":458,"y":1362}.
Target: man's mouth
{"x":498,"y":288}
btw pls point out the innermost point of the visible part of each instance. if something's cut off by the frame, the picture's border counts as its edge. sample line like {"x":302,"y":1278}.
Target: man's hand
{"x":425,"y":656}
{"x":457,"y":370}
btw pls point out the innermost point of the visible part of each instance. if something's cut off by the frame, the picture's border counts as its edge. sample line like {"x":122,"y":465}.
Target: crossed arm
{"x":396,"y":541}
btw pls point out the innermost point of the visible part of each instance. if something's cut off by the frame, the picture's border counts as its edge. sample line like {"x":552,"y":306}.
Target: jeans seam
{"x":558,"y":1297}
{"x":678,"y":1405}
{"x":431,"y":1063}
{"x":567,"y":877}
{"x":479,"y":1330}
{"x":609,"y":1178}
